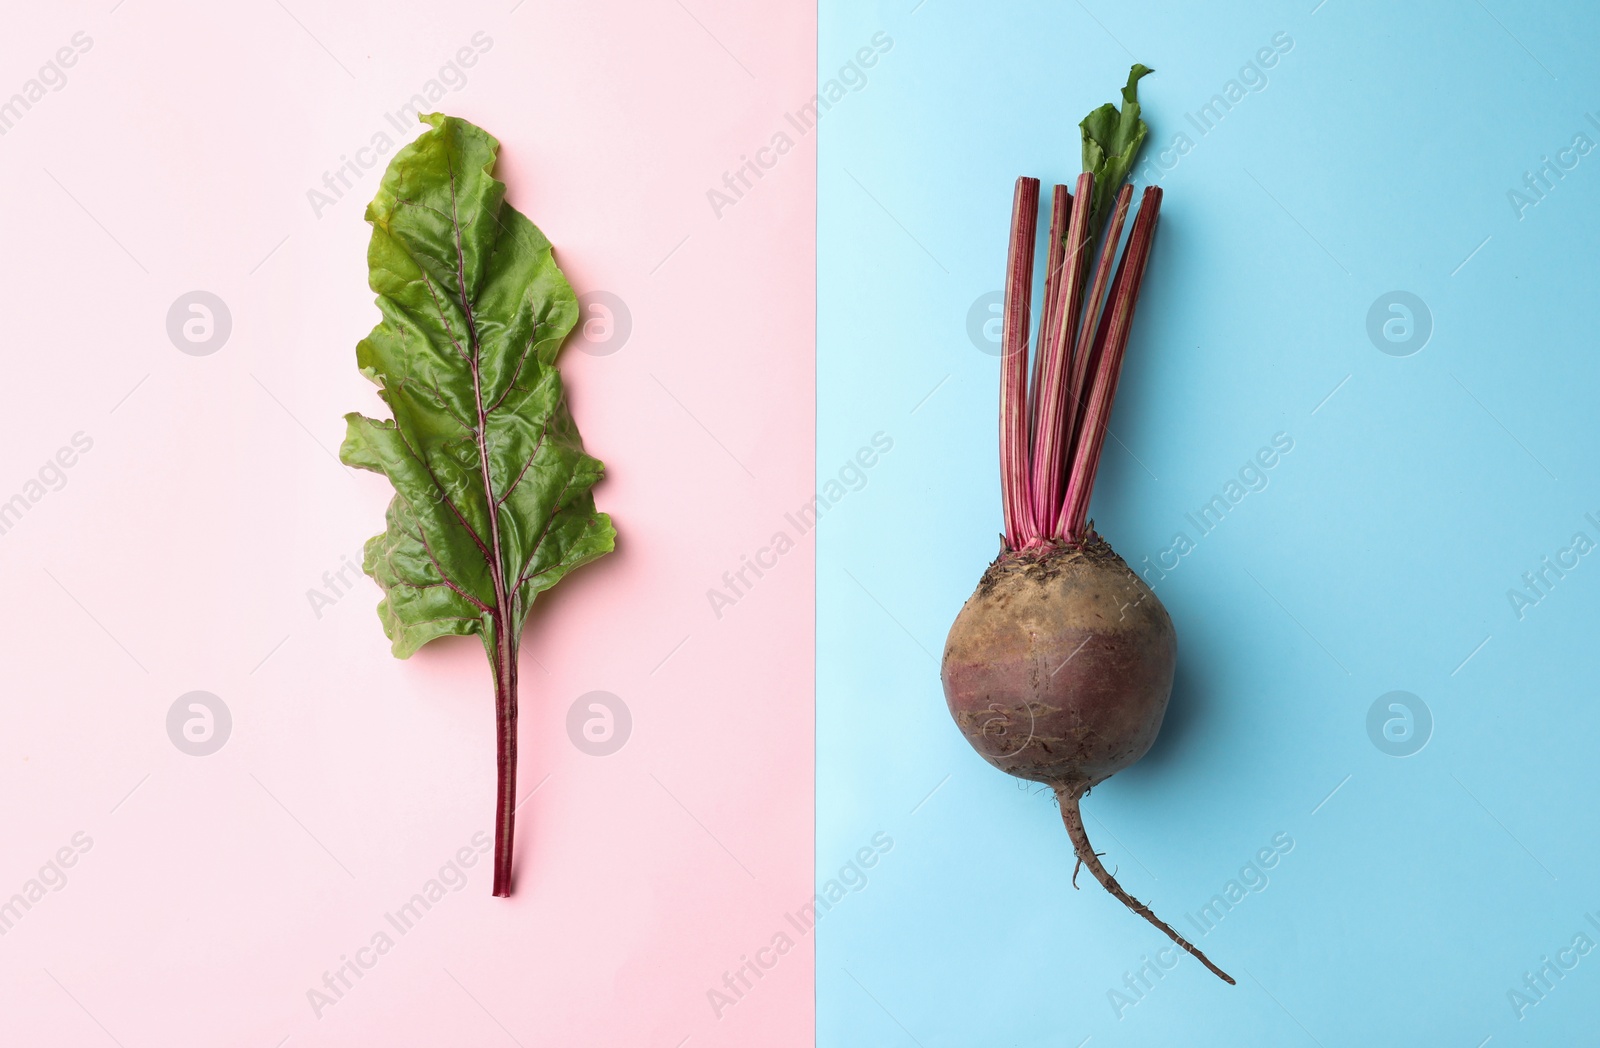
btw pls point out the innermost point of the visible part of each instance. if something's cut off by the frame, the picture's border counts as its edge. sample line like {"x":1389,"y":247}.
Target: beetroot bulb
{"x":1059,"y":666}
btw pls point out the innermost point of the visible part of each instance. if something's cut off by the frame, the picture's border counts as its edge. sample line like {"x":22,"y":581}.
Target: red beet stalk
{"x":1053,"y":428}
{"x":1060,"y":206}
{"x":1112,"y":342}
{"x":1084,"y":355}
{"x":1055,"y":343}
{"x":1014,"y":365}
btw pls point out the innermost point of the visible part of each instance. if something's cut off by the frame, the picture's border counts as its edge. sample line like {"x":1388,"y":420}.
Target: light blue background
{"x":1379,"y":557}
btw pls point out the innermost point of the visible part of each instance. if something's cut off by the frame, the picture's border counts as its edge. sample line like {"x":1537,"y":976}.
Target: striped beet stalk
{"x":1083,"y":355}
{"x":1060,"y":205}
{"x":1110,"y":345}
{"x":1014,"y":365}
{"x":1055,"y":342}
{"x":1053,"y":423}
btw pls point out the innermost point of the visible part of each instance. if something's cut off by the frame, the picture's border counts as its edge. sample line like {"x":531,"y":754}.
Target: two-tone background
{"x":1373,"y":798}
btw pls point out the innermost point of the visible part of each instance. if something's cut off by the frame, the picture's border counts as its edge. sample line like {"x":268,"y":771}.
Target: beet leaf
{"x":1111,"y":141}
{"x":492,"y":501}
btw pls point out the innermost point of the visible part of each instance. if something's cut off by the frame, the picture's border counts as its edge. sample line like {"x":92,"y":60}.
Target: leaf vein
{"x":555,"y":511}
{"x":543,"y":430}
{"x":448,"y":581}
{"x":444,"y":496}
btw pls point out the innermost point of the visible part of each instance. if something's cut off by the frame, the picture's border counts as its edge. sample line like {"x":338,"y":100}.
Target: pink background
{"x":179,"y":553}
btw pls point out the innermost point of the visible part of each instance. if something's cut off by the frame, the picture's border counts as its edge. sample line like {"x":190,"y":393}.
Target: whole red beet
{"x":1059,"y":667}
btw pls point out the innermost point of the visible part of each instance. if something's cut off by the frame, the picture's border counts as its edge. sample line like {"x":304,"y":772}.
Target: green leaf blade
{"x":1112,"y":139}
{"x":418,"y":604}
{"x":493,"y":490}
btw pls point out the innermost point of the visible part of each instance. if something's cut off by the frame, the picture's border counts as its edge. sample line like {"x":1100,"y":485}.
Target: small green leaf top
{"x":492,"y":501}
{"x":1111,"y":141}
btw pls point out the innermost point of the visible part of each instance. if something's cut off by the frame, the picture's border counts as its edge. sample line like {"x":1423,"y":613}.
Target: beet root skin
{"x":1059,"y":667}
